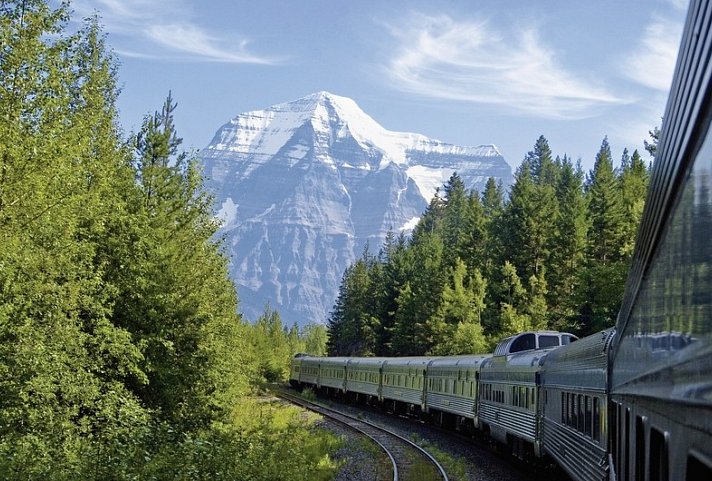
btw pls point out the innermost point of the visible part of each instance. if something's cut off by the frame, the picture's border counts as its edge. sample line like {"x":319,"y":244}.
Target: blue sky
{"x":466,"y":72}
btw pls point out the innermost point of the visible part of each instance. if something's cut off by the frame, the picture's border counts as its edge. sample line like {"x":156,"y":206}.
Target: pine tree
{"x":634,"y":178}
{"x":603,"y":278}
{"x":352,"y":326}
{"x":605,"y":209}
{"x":568,"y":248}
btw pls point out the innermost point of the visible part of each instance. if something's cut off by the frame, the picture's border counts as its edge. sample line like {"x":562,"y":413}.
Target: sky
{"x":466,"y":72}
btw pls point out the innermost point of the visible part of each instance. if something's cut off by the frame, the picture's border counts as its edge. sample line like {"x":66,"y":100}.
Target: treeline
{"x":122,"y":355}
{"x":553,"y":254}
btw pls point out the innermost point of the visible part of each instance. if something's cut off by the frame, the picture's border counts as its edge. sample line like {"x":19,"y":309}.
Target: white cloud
{"x":652,"y":61}
{"x":195,"y":41}
{"x":439,"y":57}
{"x":168,"y":26}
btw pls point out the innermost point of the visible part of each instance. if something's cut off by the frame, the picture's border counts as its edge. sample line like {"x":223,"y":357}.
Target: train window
{"x":567,"y":339}
{"x":581,"y":413}
{"x":639,"y":448}
{"x":626,"y":444}
{"x":589,"y":417}
{"x":524,"y":342}
{"x":698,"y":469}
{"x":548,"y":341}
{"x":596,"y":420}
{"x":658,"y":456}
{"x":615,"y":423}
{"x":563,"y":410}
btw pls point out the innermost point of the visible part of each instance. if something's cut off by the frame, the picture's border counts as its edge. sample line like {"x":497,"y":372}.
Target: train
{"x":633,"y":402}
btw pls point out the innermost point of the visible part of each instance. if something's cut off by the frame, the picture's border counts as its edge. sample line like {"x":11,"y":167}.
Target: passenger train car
{"x":630,"y":403}
{"x":661,"y":359}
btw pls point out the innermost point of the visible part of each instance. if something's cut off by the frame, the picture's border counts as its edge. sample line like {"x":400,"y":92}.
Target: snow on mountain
{"x":303,"y":185}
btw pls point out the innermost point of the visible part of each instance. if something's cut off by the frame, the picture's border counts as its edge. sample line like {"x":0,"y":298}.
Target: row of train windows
{"x":333,"y":373}
{"x":314,"y":371}
{"x":520,"y":396}
{"x":363,"y":376}
{"x":450,"y":386}
{"x":488,"y":393}
{"x":629,"y":438}
{"x":403,"y":380}
{"x":523,"y":397}
{"x":583,"y":413}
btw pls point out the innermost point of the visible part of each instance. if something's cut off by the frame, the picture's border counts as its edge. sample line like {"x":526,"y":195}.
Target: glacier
{"x":301,"y":187}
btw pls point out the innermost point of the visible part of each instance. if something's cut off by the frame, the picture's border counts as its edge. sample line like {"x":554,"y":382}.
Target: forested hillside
{"x":552,"y":254}
{"x":122,"y":355}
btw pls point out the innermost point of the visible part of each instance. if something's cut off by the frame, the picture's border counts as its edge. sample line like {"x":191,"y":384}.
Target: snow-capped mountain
{"x":303,"y":185}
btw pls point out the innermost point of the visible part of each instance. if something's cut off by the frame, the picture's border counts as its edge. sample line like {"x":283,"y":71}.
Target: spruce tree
{"x":568,"y":248}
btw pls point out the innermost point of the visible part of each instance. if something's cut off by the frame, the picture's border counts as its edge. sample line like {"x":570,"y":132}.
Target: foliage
{"x":553,"y":255}
{"x":122,"y":354}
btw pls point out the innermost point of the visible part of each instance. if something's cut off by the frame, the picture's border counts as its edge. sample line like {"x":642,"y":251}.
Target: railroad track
{"x":410,"y":462}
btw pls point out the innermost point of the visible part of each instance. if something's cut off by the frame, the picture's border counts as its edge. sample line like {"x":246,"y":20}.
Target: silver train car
{"x":661,"y":359}
{"x":404,"y":383}
{"x":574,"y":384}
{"x":508,"y":400}
{"x":363,"y":378}
{"x":452,"y":390}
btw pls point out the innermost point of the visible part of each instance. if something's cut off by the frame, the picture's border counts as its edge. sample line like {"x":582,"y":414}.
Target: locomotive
{"x":630,"y":403}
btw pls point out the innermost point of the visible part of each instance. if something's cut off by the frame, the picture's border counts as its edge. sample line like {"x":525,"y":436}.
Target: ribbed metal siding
{"x":362,"y":387}
{"x":451,"y":404}
{"x":582,"y":364}
{"x":518,"y":422}
{"x":404,"y":394}
{"x":582,"y":459}
{"x":331,"y":382}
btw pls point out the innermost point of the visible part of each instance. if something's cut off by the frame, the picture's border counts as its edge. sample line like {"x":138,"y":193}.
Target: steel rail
{"x":354,"y":422}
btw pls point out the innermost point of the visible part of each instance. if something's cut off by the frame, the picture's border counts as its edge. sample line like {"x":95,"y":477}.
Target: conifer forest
{"x":553,"y":253}
{"x":123,"y":355}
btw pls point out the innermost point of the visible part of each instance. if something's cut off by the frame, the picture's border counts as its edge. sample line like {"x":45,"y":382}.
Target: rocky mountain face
{"x":302,"y":186}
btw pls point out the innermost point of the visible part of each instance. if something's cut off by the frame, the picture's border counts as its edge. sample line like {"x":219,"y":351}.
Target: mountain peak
{"x":302,"y":186}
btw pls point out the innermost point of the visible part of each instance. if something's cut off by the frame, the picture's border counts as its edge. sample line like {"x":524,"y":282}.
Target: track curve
{"x":409,"y":461}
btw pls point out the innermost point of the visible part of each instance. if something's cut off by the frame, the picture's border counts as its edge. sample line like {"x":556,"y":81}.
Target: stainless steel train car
{"x":332,"y":374}
{"x":363,"y":378}
{"x":661,"y":358}
{"x":452,"y":387}
{"x":404,"y":382}
{"x":574,"y":384}
{"x":508,"y":401}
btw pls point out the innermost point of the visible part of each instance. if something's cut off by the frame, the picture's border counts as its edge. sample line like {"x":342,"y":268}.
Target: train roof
{"x":366,"y":361}
{"x":415,"y":362}
{"x":531,"y":340}
{"x":462,"y":361}
{"x":334,"y":361}
{"x":581,"y":351}
{"x":529,"y":358}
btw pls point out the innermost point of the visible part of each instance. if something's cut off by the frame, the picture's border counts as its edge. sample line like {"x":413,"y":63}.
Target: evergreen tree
{"x":529,"y":222}
{"x":652,"y":146}
{"x":352,"y":327}
{"x":605,"y":209}
{"x":417,"y":322}
{"x":568,"y":248}
{"x":181,"y":296}
{"x":634,"y":179}
{"x":432,"y":218}
{"x":603,"y":278}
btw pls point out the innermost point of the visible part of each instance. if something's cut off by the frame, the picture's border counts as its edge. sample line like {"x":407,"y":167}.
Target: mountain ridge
{"x":302,"y":186}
